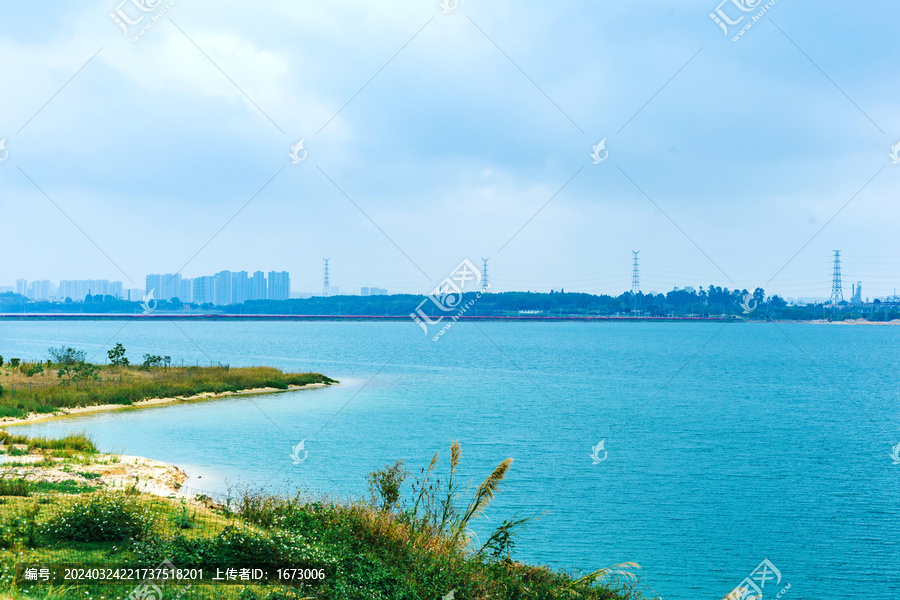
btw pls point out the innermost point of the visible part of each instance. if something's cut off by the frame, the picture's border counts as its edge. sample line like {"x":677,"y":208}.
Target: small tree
{"x":67,"y":356}
{"x":152,"y":360}
{"x":1,"y":361}
{"x":117,"y":356}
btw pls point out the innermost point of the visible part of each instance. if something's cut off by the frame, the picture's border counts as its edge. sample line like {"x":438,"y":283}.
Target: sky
{"x":436,"y":133}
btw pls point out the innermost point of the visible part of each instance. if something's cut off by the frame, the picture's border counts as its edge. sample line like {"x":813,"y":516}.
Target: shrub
{"x":182,"y":518}
{"x":385,"y":484}
{"x":236,"y":545}
{"x":13,"y":487}
{"x":100,"y":518}
{"x":9,"y":411}
{"x":19,"y":527}
{"x":67,"y":356}
{"x":33,"y":369}
{"x":14,"y":363}
{"x":81,"y":372}
{"x":152,"y":360}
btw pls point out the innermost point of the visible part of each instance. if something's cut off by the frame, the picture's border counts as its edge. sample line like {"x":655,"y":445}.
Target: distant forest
{"x":712,"y":302}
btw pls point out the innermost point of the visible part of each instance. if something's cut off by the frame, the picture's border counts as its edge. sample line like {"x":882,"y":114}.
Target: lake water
{"x":724,"y":444}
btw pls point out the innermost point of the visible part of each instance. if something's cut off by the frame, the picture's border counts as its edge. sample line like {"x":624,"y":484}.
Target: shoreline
{"x":105,"y":471}
{"x":150,"y":402}
{"x":401,"y":318}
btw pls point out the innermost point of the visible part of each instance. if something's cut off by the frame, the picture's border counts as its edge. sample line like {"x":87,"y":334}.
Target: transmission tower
{"x":837,"y":294}
{"x":484,"y":275}
{"x":326,"y":285}
{"x":635,"y":282}
{"x":635,"y":274}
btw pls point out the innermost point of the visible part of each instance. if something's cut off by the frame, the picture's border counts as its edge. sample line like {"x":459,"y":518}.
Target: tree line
{"x":710,"y":302}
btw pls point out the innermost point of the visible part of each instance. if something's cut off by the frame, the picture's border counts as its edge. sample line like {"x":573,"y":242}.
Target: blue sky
{"x":450,"y":133}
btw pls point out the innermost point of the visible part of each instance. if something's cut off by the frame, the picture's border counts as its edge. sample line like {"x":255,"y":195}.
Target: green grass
{"x":13,"y":487}
{"x":20,"y":487}
{"x":45,"y":393}
{"x":411,"y":545}
{"x":62,"y":487}
{"x":74,"y":443}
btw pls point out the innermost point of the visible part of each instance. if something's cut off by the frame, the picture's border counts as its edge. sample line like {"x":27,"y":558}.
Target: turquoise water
{"x":727,"y":444}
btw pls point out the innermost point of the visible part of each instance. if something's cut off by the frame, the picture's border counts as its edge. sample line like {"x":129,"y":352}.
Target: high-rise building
{"x":223,"y":288}
{"x":22,"y":287}
{"x":165,"y":285}
{"x":186,"y":290}
{"x":203,"y":290}
{"x":240,"y":287}
{"x":377,"y":291}
{"x":364,"y":291}
{"x":41,"y":290}
{"x":258,"y":286}
{"x":279,"y":285}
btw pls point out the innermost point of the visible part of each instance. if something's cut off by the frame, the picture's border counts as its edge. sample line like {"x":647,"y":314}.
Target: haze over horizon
{"x":433,"y":137}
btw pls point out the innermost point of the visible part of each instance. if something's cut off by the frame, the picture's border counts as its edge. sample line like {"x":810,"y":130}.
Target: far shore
{"x":81,"y":410}
{"x":547,"y":318}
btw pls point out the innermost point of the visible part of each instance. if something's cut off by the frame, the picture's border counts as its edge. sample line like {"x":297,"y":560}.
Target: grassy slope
{"x":367,"y":553}
{"x":43,"y":392}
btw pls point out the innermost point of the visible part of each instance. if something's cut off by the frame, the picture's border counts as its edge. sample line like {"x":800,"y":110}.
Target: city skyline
{"x":235,"y":287}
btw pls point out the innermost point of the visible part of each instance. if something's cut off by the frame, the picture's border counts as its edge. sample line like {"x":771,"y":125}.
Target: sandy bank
{"x":67,"y":412}
{"x":107,"y":471}
{"x":848,"y":322}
